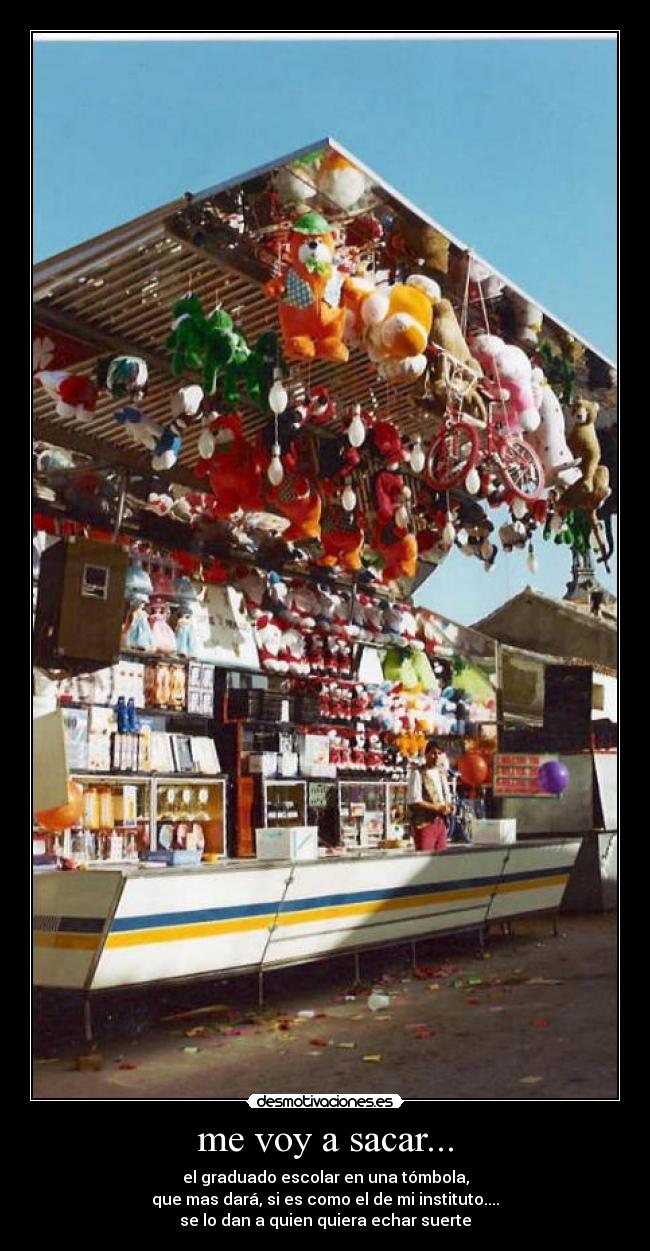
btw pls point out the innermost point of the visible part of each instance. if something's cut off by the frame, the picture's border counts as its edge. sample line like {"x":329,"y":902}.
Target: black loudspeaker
{"x":80,"y":605}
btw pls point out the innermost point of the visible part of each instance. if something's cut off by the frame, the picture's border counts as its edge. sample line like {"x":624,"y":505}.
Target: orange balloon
{"x":61,"y":818}
{"x":474,"y":770}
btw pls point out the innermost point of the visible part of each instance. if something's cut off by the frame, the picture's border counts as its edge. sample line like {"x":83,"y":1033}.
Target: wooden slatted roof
{"x":116,"y":291}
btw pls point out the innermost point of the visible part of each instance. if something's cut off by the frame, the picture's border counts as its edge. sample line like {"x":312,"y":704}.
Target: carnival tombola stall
{"x":263,"y":416}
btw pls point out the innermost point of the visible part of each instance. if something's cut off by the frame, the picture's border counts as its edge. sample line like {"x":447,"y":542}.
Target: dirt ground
{"x":533,"y":1017}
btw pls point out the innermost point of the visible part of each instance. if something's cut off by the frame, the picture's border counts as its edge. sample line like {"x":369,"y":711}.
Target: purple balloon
{"x":553,"y":777}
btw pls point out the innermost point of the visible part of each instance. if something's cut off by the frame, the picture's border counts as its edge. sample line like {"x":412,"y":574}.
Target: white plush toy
{"x":270,"y":641}
{"x":186,"y":403}
{"x":75,"y":395}
{"x":510,"y":370}
{"x":549,"y":440}
{"x":340,"y":181}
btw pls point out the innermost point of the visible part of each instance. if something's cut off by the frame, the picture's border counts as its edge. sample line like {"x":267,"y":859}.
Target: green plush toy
{"x":575,"y":532}
{"x":213,"y":345}
{"x":398,"y":667}
{"x":472,"y":682}
{"x":559,"y":372}
{"x":257,"y":370}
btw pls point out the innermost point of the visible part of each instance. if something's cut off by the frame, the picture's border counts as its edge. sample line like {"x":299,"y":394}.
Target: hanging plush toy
{"x":549,"y":440}
{"x":186,"y":404}
{"x":234,"y":469}
{"x":212,"y":344}
{"x":342,"y":538}
{"x":141,"y":429}
{"x":75,"y":395}
{"x":510,"y":371}
{"x":310,"y":293}
{"x":126,"y":378}
{"x":398,"y":550}
{"x":340,"y":182}
{"x":393,"y":323}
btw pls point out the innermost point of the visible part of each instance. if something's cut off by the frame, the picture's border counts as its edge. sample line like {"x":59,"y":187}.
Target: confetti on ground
{"x":50,"y":1060}
{"x":496,"y":1007}
{"x":434,"y":986}
{"x":423,"y":1032}
{"x":473,"y":999}
{"x":199,"y":1031}
{"x":474,"y":981}
{"x":530,"y":1081}
{"x":346,"y":1046}
{"x":539,"y":1022}
{"x":373,"y":1059}
{"x":318,"y":1042}
{"x":545,"y":981}
{"x":306,"y":1014}
{"x":191,"y":1051}
{"x":128,"y":1066}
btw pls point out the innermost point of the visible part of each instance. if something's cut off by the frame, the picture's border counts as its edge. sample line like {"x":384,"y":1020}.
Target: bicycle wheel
{"x":451,"y":456}
{"x":522,"y":469}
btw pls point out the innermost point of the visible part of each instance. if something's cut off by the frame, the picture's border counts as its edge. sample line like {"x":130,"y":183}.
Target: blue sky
{"x":510,"y":144}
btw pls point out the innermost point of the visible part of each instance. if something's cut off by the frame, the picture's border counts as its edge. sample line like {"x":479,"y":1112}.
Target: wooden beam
{"x":235,"y":260}
{"x":103,"y":340}
{"x":74,"y":440}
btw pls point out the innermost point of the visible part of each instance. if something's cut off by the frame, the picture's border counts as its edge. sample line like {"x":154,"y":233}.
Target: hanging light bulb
{"x":278,"y":397}
{"x":448,"y":533}
{"x":402,"y":517}
{"x":519,"y":508}
{"x":348,"y":498}
{"x":275,"y":471}
{"x":417,"y":455}
{"x":356,"y":428}
{"x":473,"y":482}
{"x":206,"y":444}
{"x":531,"y":561}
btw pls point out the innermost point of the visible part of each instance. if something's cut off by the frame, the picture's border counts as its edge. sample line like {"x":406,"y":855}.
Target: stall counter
{"x":121,"y":926}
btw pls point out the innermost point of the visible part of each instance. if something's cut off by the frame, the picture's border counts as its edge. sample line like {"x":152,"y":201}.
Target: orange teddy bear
{"x":309,"y":292}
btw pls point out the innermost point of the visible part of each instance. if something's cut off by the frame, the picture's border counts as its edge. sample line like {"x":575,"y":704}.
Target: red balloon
{"x":61,"y":818}
{"x":473,"y":769}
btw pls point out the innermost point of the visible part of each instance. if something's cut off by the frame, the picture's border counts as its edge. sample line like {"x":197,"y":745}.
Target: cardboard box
{"x":265,"y":762}
{"x":495,"y":831}
{"x":288,"y":764}
{"x":317,"y":770}
{"x":314,"y":749}
{"x":294,"y":842}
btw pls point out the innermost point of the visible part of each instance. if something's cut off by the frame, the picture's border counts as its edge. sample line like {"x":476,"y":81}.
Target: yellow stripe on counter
{"x":213,"y":929}
{"x":505,"y":887}
{"x":73,"y":942}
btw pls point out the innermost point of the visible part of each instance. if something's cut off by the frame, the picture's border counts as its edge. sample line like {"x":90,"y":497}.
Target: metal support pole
{"x":88,"y":1020}
{"x":357,"y":969}
{"x":414,"y":954}
{"x":481,"y":938}
{"x":119,"y":516}
{"x":260,"y":988}
{"x":555,"y":929}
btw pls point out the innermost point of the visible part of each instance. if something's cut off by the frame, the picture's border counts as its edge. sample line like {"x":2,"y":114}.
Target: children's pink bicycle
{"x":465,"y":443}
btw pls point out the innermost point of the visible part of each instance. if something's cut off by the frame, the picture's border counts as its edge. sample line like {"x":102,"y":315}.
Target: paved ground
{"x":535,"y":1018}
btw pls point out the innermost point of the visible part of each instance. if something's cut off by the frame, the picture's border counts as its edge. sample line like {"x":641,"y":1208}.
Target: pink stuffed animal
{"x":510,"y":370}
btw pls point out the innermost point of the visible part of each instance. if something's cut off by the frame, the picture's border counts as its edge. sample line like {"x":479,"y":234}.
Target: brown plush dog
{"x":583,"y":443}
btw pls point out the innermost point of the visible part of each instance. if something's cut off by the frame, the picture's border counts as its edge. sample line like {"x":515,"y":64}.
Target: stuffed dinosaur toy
{"x":211,"y":345}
